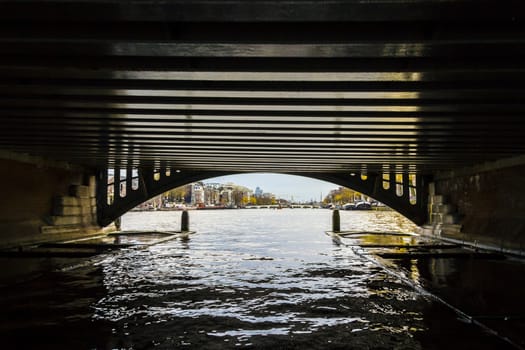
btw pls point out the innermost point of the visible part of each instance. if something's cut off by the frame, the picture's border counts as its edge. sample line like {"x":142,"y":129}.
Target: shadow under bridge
{"x":391,"y":91}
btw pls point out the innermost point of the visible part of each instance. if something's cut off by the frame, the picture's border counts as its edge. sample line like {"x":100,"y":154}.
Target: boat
{"x":363,"y":206}
{"x":349,"y":206}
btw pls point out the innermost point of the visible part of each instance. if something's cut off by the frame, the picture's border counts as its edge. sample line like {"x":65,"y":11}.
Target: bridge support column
{"x":483,"y":205}
{"x":44,"y":200}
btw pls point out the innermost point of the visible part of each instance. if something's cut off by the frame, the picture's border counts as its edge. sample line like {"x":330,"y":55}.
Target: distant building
{"x":229,"y":194}
{"x":258,"y":192}
{"x":197,"y":193}
{"x":212,"y":193}
{"x":226,"y":196}
{"x":245,"y":195}
{"x":194,"y":193}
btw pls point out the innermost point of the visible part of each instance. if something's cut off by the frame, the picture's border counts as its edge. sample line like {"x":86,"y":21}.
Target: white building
{"x":197,"y":193}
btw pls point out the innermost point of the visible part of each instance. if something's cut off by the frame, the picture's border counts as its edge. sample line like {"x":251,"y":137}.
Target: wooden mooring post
{"x":336,"y":221}
{"x":185,"y":221}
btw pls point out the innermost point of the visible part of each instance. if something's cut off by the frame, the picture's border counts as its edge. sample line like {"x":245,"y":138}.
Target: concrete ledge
{"x":60,"y":229}
{"x":63,"y":234}
{"x":454,"y":234}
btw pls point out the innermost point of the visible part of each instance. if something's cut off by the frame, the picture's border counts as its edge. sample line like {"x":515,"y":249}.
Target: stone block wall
{"x":44,"y":200}
{"x":483,"y":205}
{"x":74,"y":212}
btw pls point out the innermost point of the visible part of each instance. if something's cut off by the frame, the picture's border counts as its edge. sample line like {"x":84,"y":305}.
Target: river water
{"x":264,"y":279}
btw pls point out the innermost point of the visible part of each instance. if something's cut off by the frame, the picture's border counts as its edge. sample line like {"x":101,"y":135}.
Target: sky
{"x":283,"y":186}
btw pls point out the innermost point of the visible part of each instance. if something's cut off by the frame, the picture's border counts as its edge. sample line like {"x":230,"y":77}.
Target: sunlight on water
{"x":269,"y":279}
{"x":255,"y":273}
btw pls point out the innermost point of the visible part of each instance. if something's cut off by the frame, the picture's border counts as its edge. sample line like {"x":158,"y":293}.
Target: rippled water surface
{"x":247,"y":278}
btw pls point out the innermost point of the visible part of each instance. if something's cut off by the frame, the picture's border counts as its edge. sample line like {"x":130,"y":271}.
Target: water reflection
{"x":247,"y":278}
{"x":251,"y":279}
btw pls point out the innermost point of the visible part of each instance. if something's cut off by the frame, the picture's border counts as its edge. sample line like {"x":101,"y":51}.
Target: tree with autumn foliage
{"x":176,"y":195}
{"x":342,"y":195}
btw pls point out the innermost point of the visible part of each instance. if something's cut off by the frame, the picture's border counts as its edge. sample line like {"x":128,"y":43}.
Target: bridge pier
{"x":44,"y":200}
{"x":482,"y":205}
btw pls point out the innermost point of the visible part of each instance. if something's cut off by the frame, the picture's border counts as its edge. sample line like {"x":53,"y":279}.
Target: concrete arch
{"x":151,"y":186}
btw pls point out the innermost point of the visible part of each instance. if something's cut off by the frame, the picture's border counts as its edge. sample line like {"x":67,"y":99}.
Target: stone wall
{"x":488,"y":204}
{"x":44,"y":200}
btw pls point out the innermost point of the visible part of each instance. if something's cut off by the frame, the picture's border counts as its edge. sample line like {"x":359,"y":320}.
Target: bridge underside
{"x":280,"y":86}
{"x":318,"y":88}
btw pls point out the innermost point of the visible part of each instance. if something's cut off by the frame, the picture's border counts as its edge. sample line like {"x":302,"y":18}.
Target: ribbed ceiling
{"x":279,"y":86}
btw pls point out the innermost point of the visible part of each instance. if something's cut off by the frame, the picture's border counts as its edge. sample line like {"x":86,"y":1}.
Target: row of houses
{"x":213,"y":194}
{"x":200,"y":194}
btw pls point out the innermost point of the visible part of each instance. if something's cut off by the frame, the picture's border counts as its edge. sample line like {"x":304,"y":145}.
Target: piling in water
{"x":185,"y":222}
{"x":336,"y":221}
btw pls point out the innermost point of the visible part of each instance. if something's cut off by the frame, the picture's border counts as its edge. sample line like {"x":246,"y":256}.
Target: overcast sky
{"x":283,"y":186}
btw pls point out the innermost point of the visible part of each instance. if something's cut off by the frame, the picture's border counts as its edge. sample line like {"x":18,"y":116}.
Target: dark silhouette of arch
{"x":151,"y":185}
{"x":373,"y":187}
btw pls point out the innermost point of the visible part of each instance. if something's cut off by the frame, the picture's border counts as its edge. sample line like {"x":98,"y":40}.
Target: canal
{"x":264,"y":279}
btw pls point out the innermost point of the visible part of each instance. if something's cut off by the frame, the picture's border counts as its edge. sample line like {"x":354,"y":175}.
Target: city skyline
{"x":283,"y":186}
